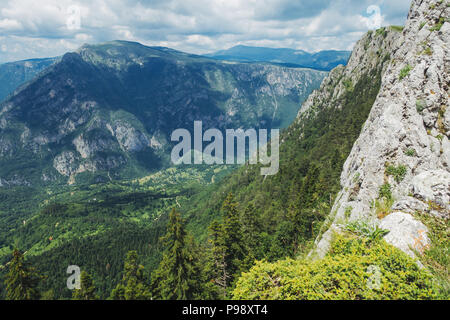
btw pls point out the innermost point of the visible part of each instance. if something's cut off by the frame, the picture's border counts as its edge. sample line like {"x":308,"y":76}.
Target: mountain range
{"x":322,"y":60}
{"x":107,"y":111}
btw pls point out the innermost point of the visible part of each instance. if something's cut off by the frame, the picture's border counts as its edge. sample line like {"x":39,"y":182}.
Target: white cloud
{"x":49,"y":27}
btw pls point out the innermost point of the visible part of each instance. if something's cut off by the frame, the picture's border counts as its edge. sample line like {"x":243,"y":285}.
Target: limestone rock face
{"x":407,"y":128}
{"x":405,"y":233}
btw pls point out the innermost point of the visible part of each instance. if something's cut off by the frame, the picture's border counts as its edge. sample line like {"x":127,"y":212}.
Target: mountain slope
{"x":398,"y":170}
{"x":107,"y":111}
{"x":292,"y":205}
{"x":323,"y":60}
{"x":14,"y":74}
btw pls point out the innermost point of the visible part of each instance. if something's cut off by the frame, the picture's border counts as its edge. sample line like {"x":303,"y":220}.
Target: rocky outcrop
{"x":405,"y":233}
{"x":404,"y":145}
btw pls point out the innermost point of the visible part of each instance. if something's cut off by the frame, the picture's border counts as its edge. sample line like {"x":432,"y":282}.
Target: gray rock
{"x":406,"y":233}
{"x":407,"y":114}
{"x":409,"y":205}
{"x":432,"y":186}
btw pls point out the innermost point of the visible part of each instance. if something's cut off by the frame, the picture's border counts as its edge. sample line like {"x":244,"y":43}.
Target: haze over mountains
{"x":323,"y":60}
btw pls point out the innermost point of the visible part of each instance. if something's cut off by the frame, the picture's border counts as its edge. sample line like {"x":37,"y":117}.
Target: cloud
{"x":52,"y":27}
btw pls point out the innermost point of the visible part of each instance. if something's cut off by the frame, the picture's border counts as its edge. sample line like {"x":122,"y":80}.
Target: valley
{"x":358,"y":209}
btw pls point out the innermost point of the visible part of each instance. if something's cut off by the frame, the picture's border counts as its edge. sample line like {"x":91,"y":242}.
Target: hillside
{"x":391,"y":213}
{"x":312,"y":153}
{"x":14,"y":74}
{"x":397,"y":176}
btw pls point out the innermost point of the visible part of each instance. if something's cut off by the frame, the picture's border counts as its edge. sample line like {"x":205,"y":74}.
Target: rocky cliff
{"x":399,"y":166}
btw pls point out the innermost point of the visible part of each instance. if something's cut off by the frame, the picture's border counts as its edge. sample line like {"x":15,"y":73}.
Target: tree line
{"x":187,"y":270}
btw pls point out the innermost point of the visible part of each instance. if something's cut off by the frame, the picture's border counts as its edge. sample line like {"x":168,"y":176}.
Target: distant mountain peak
{"x":322,"y":60}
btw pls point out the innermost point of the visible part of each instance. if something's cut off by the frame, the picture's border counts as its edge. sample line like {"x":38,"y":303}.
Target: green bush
{"x":366,"y":229}
{"x":398,"y":173}
{"x":397,"y":28}
{"x":385,"y":192}
{"x":420,"y":106}
{"x":346,"y":273}
{"x":410,"y":152}
{"x":404,"y":72}
{"x":438,"y":25}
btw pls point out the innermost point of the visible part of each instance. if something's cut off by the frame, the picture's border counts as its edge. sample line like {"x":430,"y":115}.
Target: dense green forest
{"x":351,"y":270}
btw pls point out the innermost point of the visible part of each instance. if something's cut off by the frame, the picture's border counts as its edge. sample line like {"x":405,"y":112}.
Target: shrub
{"x":348,"y":212}
{"x":385,"y":192}
{"x":437,"y":257}
{"x":383,"y":207}
{"x":420,"y":106}
{"x":405,"y":71}
{"x":398,"y":173}
{"x":366,"y":229}
{"x":397,"y":28}
{"x":438,"y":25}
{"x":428,"y":51}
{"x":347,"y":272}
{"x":348,"y":84}
{"x":410,"y":152}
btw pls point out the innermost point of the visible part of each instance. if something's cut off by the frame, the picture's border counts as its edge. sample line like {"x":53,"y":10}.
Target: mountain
{"x":323,"y":60}
{"x":398,"y":173}
{"x":312,"y":152}
{"x":14,"y":74}
{"x":358,"y":210}
{"x":107,"y":111}
{"x":364,"y":166}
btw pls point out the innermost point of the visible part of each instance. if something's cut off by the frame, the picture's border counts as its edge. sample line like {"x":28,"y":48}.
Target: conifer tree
{"x":21,"y":280}
{"x":234,"y":243}
{"x":134,"y":284}
{"x":229,"y":250}
{"x":87,"y":290}
{"x":219,"y":251}
{"x":251,"y":229}
{"x":178,"y":275}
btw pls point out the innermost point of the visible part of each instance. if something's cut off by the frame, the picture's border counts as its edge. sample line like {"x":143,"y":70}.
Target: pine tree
{"x":22,"y":279}
{"x":219,"y":250}
{"x":229,"y":250}
{"x":178,"y":275}
{"x":134,"y":284}
{"x":251,"y":229}
{"x":87,"y":290}
{"x":233,"y":238}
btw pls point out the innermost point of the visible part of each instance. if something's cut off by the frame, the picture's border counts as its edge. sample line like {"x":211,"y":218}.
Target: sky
{"x":48,"y":28}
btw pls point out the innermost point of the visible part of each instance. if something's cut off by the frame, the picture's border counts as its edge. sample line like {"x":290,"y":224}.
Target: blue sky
{"x":44,"y":28}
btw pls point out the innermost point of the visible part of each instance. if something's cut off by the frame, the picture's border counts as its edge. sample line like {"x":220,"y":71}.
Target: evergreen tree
{"x":178,"y":276}
{"x":233,"y":238}
{"x":87,"y":290}
{"x":251,"y":229}
{"x":229,"y":250}
{"x":21,"y":280}
{"x":134,"y":284}
{"x":219,"y":251}
{"x":308,"y":191}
